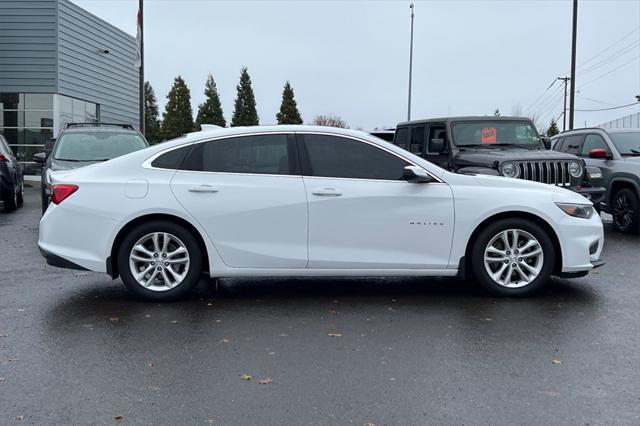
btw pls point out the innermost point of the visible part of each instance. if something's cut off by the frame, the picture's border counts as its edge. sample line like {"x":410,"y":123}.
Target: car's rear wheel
{"x":626,"y":211}
{"x":160,"y":261}
{"x":512,"y":257}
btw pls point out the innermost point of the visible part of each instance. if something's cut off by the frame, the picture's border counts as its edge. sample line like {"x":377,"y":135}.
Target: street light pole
{"x":140,"y":41}
{"x":572,"y":99}
{"x":410,"y":65}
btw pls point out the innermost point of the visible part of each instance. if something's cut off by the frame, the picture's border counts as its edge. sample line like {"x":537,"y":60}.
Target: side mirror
{"x":546,"y":142}
{"x":436,"y":146}
{"x":40,"y":157}
{"x":416,"y":174}
{"x":598,"y":153}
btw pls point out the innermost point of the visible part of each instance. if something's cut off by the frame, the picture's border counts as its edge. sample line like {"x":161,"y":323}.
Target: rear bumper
{"x":58,"y":261}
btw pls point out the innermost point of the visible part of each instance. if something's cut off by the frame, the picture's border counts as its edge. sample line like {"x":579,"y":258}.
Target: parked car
{"x":309,"y":201}
{"x":11,"y":178}
{"x":617,"y":153}
{"x":499,"y":146}
{"x":82,"y":144}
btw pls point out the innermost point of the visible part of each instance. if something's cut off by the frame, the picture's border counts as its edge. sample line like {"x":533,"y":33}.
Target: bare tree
{"x":517,"y":111}
{"x":329,"y":121}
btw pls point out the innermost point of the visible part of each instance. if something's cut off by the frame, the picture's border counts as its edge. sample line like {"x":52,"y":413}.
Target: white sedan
{"x":309,"y":201}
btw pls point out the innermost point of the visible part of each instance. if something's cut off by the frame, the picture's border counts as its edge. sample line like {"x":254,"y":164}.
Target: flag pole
{"x":141,"y":64}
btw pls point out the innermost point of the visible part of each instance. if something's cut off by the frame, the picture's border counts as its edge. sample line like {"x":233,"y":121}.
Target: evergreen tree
{"x":210,"y":111}
{"x":151,"y":119}
{"x":553,"y":128}
{"x":177,"y":118}
{"x":289,"y":113}
{"x":244,"y":113}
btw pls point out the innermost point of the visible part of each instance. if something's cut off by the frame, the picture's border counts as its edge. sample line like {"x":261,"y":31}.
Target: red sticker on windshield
{"x":488,"y":135}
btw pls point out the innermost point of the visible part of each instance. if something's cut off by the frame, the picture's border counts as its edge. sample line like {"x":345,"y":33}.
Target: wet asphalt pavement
{"x":75,"y":347}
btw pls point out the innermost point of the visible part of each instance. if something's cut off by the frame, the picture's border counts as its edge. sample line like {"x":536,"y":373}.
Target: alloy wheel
{"x":623,"y":211}
{"x":513,"y":258}
{"x":159,"y":261}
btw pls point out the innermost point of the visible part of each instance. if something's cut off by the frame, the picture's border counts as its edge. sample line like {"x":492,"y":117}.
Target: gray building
{"x":60,"y":64}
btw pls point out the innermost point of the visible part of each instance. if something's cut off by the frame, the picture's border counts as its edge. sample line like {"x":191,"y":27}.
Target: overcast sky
{"x":350,"y":58}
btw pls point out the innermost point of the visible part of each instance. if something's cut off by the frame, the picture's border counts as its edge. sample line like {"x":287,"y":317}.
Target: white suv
{"x":309,"y":201}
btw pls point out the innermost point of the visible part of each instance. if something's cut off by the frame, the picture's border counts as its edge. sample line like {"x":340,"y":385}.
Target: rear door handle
{"x":203,"y":188}
{"x":327,"y":192}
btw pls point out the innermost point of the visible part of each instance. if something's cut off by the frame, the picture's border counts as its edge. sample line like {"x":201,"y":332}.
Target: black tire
{"x":11,"y":200}
{"x":625,"y":209}
{"x":20,"y":196}
{"x":484,"y":238}
{"x":190,"y":243}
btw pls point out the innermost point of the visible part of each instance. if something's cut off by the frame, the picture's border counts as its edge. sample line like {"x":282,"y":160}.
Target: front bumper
{"x":594,"y":194}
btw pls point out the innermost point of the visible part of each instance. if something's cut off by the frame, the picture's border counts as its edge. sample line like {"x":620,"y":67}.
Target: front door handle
{"x":327,"y":192}
{"x":203,"y":188}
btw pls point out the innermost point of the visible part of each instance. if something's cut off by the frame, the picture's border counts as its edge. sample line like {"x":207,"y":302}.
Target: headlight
{"x":575,"y":169}
{"x":583,"y":211}
{"x":510,"y":170}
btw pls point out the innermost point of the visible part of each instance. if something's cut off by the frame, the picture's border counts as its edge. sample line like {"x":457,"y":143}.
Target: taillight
{"x":3,"y":158}
{"x":61,"y":192}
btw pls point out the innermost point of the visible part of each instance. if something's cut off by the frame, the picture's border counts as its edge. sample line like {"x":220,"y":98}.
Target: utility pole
{"x":140,"y":37}
{"x":564,"y":111}
{"x":572,"y":99}
{"x":410,"y":65}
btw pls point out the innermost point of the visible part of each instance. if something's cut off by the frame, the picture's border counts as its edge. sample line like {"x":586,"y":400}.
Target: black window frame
{"x":292,"y":154}
{"x":305,"y":161}
{"x":422,"y":143}
{"x":407,"y":142}
{"x":427,"y":147}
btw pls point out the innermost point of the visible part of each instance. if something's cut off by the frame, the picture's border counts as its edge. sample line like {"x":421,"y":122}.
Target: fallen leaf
{"x":369,"y":424}
{"x":119,"y":418}
{"x":147,"y":316}
{"x":557,"y":361}
{"x":334,"y":334}
{"x":272,"y":353}
{"x":266,"y":381}
{"x":4,"y":335}
{"x":283,"y":334}
{"x":554,"y":394}
{"x":225,"y":340}
{"x":21,"y":310}
{"x":174,"y":321}
{"x":246,"y":377}
{"x":488,"y":319}
{"x":333,"y":312}
{"x":113,"y":319}
{"x":151,"y":365}
{"x":209,"y":304}
{"x":2,"y":379}
{"x":393,"y":379}
{"x":19,"y":417}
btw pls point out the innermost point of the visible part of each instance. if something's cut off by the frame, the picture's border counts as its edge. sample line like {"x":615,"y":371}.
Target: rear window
{"x":172,"y":159}
{"x":97,"y":146}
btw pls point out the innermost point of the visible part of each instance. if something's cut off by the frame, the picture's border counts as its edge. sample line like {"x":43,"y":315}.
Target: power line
{"x":609,"y":72}
{"x":612,"y":57}
{"x":608,"y":109}
{"x":606,"y":49}
{"x":595,"y":100}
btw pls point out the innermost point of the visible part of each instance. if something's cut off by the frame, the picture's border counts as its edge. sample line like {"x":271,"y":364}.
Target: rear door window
{"x":573,"y":144}
{"x":253,"y":154}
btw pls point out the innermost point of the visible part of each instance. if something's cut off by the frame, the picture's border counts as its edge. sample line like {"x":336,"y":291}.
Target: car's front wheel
{"x":512,"y":257}
{"x":11,"y":200}
{"x":626,"y":211}
{"x":160,"y":261}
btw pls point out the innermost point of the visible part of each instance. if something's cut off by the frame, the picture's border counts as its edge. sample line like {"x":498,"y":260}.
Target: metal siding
{"x":110,"y":80}
{"x":28,"y":46}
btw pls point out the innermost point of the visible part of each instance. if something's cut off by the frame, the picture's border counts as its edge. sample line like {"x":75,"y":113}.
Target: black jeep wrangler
{"x":501,"y":146}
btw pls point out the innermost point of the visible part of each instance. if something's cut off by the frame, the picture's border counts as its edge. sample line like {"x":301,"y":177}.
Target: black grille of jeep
{"x":551,"y":172}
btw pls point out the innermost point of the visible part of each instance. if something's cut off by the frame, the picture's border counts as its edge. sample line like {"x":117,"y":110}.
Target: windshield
{"x":495,"y":132}
{"x":627,"y":143}
{"x":97,"y":146}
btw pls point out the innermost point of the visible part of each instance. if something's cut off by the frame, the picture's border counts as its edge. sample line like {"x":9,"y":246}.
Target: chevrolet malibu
{"x":309,"y":201}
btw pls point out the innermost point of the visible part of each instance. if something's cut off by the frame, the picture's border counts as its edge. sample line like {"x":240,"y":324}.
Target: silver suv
{"x":617,"y":153}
